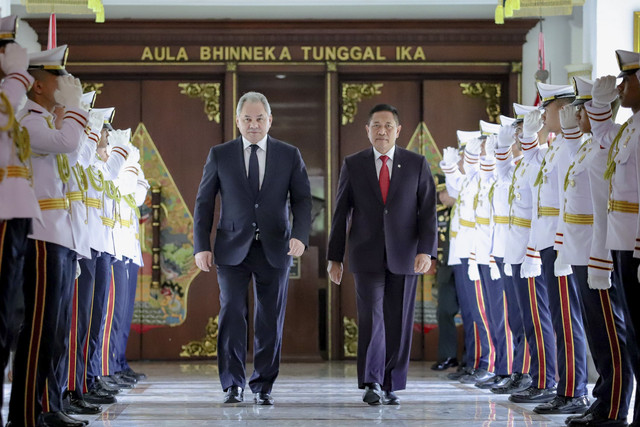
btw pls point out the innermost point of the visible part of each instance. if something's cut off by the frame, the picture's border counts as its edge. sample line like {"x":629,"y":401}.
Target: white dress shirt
{"x":261,"y":152}
{"x":377,"y":155}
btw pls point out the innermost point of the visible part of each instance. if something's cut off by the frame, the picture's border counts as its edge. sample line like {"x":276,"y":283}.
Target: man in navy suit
{"x":259,"y":179}
{"x":388,"y":195}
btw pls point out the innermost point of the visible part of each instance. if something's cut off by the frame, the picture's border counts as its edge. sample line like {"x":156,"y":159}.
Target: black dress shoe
{"x":390,"y":398}
{"x":262,"y":399}
{"x":108,"y":388}
{"x":477,"y":376}
{"x":234,"y":394}
{"x":564,"y":405}
{"x":491,"y":381}
{"x":72,"y":418}
{"x":59,"y":419}
{"x":449,"y":362}
{"x":81,"y":407}
{"x":591,"y":419}
{"x":98,"y":397}
{"x":372,"y":394}
{"x":139,"y":376}
{"x":463,"y":370}
{"x":534,"y":395}
{"x":517,"y":382}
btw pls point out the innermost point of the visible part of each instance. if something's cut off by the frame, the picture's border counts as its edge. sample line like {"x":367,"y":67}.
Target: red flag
{"x":52,"y":42}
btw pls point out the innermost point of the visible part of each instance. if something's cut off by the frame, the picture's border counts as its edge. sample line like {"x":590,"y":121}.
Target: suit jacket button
{"x":253,"y":223}
{"x":386,"y":211}
{"x":255,"y":206}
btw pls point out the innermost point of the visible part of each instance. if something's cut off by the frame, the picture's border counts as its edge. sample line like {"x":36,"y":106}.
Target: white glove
{"x":507,"y":270}
{"x":474,"y":146}
{"x":532,"y":124}
{"x":598,"y":282}
{"x":473,"y":272}
{"x":78,"y":270}
{"x":568,"y":117}
{"x":96,"y":120}
{"x":530,"y":268}
{"x":495,"y":271}
{"x":450,"y":156}
{"x":506,"y":137}
{"x":560,"y":269}
{"x":134,"y":155}
{"x":69,"y":92}
{"x":604,"y":91}
{"x":490,"y":147}
{"x":14,"y":59}
{"x":118,"y":138}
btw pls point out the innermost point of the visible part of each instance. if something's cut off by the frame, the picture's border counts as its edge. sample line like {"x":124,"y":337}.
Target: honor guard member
{"x":621,"y":142}
{"x":123,"y":237}
{"x":470,"y":292}
{"x":531,"y":292}
{"x":15,"y":182}
{"x":447,"y":301}
{"x":84,"y":289}
{"x":112,"y":152}
{"x":471,"y":358}
{"x":603,"y":309}
{"x":562,"y":290}
{"x":95,"y":274}
{"x":50,"y":263}
{"x":487,"y":268}
{"x":499,"y":199}
{"x":134,"y":200}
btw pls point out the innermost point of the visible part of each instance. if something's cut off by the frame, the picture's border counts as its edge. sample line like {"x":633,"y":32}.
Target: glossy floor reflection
{"x":308,"y":394}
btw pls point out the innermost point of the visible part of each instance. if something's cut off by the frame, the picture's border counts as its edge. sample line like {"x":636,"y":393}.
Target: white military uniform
{"x":15,"y":162}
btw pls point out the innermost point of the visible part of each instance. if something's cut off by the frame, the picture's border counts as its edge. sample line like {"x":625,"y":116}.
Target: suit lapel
{"x":396,"y":174}
{"x":371,"y":174}
{"x":241,"y":166}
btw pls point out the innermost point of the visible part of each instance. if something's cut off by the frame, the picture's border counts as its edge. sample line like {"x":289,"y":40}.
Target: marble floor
{"x":307,"y":394}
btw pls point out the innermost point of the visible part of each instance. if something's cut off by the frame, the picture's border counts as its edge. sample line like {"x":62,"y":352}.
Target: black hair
{"x":384,"y":107}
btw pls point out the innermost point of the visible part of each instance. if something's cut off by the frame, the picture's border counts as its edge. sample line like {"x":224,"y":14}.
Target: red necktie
{"x":384,"y":178}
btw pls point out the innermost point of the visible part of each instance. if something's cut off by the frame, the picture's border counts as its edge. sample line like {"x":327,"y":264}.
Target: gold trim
{"x":207,"y":92}
{"x":636,"y":31}
{"x":207,"y":346}
{"x":90,"y":86}
{"x":232,"y":67}
{"x":218,"y":64}
{"x":350,"y":330}
{"x":332,"y":67}
{"x":352,"y":94}
{"x":490,"y":92}
{"x":516,"y":67}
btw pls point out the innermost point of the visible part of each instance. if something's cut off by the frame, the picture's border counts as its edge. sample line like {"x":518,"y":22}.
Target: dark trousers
{"x":81,"y":323}
{"x":497,"y":316}
{"x":128,"y":315}
{"x":13,"y":247}
{"x":603,"y":315}
{"x":521,"y":358}
{"x":270,"y":287}
{"x":625,"y":268}
{"x":385,"y":303}
{"x":471,"y":350}
{"x":446,"y":313}
{"x":483,"y":346}
{"x":101,"y":289}
{"x":120,"y":309}
{"x":566,"y":315}
{"x":536,"y":319}
{"x":48,"y":273}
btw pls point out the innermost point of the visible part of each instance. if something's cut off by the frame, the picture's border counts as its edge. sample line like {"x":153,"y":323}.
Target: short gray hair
{"x":253,"y":97}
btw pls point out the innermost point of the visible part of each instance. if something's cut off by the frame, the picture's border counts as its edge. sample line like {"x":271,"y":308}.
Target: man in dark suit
{"x":258,"y":177}
{"x":388,"y":195}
